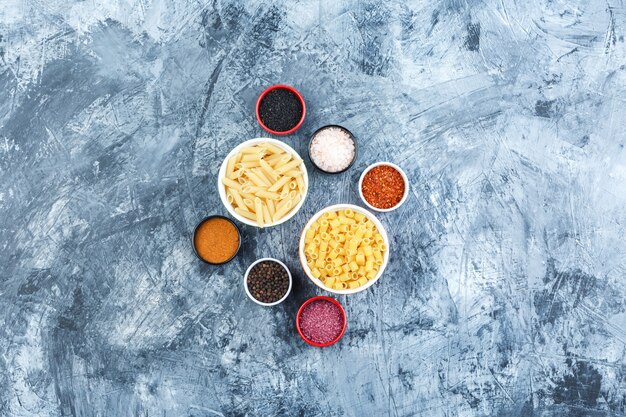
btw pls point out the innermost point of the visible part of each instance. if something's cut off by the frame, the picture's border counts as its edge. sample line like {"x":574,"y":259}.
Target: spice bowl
{"x":404,"y":178}
{"x":251,"y":268}
{"x":231,"y":248}
{"x":334,"y":139}
{"x":292,"y":94}
{"x":336,"y":328}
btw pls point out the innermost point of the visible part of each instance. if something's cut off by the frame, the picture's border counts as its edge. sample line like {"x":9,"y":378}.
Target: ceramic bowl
{"x":406,"y":186}
{"x":222,"y":189}
{"x":356,"y":149}
{"x":195,"y":231}
{"x":288,"y":88}
{"x":378,"y":225}
{"x":343,"y":313}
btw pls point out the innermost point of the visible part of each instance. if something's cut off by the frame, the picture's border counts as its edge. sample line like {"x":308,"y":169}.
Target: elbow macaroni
{"x":264,"y":183}
{"x":343,"y":249}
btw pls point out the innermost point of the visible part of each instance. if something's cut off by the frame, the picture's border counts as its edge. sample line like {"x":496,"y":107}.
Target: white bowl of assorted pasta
{"x":344,"y":249}
{"x":262,"y":182}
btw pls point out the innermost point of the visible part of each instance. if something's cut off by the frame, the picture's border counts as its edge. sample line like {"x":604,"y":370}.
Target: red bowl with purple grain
{"x":293,"y":91}
{"x":316,"y":322}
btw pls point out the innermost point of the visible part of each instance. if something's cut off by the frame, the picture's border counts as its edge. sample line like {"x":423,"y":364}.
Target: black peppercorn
{"x":268,"y":281}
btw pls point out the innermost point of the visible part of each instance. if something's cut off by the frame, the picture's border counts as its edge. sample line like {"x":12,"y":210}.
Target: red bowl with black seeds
{"x":280,"y":109}
{"x":321,"y":321}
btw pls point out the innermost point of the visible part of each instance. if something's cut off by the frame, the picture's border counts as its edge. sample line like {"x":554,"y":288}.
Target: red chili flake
{"x":383,"y":187}
{"x":321,"y":321}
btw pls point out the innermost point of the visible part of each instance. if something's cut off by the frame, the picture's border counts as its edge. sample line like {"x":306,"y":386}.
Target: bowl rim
{"x":343,"y":314}
{"x":195,"y":230}
{"x":284,"y":87}
{"x":404,"y":177}
{"x":222,"y":190}
{"x":354,"y":140}
{"x":372,"y":218}
{"x":245,"y":282}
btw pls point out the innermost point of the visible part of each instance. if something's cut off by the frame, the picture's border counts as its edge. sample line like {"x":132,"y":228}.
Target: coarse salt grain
{"x":321,"y":321}
{"x":332,"y":149}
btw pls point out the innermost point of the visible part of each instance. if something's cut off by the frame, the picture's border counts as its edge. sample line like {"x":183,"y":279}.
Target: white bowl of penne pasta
{"x":263,"y":182}
{"x":344,"y":249}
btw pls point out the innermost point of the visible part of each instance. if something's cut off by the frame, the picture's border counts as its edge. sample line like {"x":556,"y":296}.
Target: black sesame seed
{"x":280,"y":110}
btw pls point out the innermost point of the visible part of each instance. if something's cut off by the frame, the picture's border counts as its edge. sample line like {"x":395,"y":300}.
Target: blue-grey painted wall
{"x":505,"y":291}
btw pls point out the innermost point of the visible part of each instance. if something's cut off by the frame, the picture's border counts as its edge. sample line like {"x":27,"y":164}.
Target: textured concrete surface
{"x":505,"y":292}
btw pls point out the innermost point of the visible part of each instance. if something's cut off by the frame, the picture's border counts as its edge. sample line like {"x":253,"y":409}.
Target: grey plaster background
{"x":505,"y":292}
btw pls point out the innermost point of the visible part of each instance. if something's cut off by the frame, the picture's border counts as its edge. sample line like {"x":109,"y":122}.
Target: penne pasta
{"x":300,"y":183}
{"x":230,"y":166}
{"x":267,"y":218}
{"x":281,"y":168}
{"x":257,"y":185}
{"x":268,"y":195}
{"x":230,"y":183}
{"x":258,"y":211}
{"x":294,"y":173}
{"x":237,"y":198}
{"x":273,"y":148}
{"x":259,"y":172}
{"x":280,"y":212}
{"x":273,"y":160}
{"x":280,"y":161}
{"x":270,"y":207}
{"x":237,"y":174}
{"x":249,"y":203}
{"x":256,"y":157}
{"x":269,"y":171}
{"x":278,"y":184}
{"x":256,"y":180}
{"x":248,"y":164}
{"x":252,"y":150}
{"x":245,"y":213}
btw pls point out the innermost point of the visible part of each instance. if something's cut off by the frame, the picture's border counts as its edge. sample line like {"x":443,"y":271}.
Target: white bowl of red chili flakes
{"x":383,"y":186}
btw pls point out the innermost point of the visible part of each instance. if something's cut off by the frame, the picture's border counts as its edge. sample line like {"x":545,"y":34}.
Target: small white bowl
{"x":373,"y":219}
{"x":245,"y":282}
{"x":222,"y":172}
{"x":404,"y":177}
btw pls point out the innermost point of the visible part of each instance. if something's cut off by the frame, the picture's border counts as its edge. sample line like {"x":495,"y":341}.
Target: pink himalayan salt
{"x":332,"y":149}
{"x":321,"y":321}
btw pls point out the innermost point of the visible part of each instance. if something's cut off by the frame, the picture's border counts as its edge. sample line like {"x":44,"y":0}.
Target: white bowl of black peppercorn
{"x":267,"y":282}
